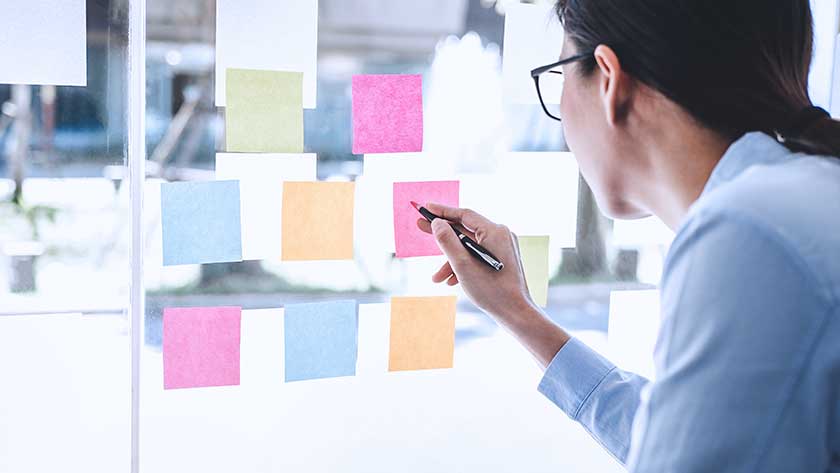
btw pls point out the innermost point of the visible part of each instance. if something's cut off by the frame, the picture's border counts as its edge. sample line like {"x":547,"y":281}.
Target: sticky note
{"x":633,"y":329}
{"x":200,"y":222}
{"x":261,"y":179}
{"x":321,"y":340}
{"x":375,"y":193}
{"x":533,"y":38}
{"x":649,"y":231}
{"x":533,"y":251}
{"x":387,"y":114}
{"x":43,"y":42}
{"x":201,"y":347}
{"x":317,"y":221}
{"x":267,"y":35}
{"x":410,"y":240}
{"x":422,"y":333}
{"x":264,"y":112}
{"x":530,"y":180}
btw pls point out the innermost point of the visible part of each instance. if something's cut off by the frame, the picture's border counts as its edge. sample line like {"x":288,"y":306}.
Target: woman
{"x":696,"y":111}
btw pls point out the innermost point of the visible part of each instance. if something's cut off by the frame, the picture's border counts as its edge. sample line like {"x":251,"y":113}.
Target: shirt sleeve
{"x":593,"y":392}
{"x":741,"y":318}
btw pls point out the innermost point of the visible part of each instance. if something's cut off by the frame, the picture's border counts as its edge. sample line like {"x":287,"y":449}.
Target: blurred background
{"x":64,"y":258}
{"x":64,"y":208}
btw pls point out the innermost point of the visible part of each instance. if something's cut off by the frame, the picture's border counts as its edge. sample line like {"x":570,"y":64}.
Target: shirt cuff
{"x":574,"y":373}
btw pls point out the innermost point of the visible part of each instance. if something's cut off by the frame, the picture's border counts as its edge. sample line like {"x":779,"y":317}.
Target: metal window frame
{"x":136,"y":150}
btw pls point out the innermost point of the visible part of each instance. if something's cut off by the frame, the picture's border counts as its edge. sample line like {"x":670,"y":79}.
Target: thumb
{"x":448,"y":241}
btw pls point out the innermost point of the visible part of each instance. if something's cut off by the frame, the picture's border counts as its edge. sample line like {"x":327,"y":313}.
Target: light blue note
{"x":201,"y":222}
{"x":321,"y":340}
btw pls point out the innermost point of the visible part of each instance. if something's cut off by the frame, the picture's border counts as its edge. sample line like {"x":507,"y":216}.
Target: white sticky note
{"x":268,"y":35}
{"x":633,"y":329}
{"x":540,"y":195}
{"x":374,"y":333}
{"x":835,"y":94}
{"x":261,"y":362}
{"x":43,"y":42}
{"x":650,"y":231}
{"x":533,"y":38}
{"x":261,"y":179}
{"x":375,"y":193}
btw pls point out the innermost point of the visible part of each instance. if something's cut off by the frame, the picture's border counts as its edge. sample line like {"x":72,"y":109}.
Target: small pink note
{"x":387,"y":114}
{"x":201,"y":347}
{"x":410,"y":240}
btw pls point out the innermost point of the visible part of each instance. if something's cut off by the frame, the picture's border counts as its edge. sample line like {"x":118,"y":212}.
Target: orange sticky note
{"x":422,"y":333}
{"x":317,"y":221}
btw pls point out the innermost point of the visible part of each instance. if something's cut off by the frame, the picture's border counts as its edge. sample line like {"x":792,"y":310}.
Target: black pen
{"x":474,"y":248}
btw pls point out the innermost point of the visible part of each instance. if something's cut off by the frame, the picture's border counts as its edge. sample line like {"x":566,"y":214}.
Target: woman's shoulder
{"x":789,"y":208}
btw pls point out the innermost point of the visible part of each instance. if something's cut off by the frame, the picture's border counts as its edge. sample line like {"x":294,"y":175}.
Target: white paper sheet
{"x":835,"y":94}
{"x":262,"y":358}
{"x":43,"y":42}
{"x":375,"y":193}
{"x":633,"y":329}
{"x":640,"y":233}
{"x":533,"y":193}
{"x":533,"y":38}
{"x":261,"y":179}
{"x":268,"y":35}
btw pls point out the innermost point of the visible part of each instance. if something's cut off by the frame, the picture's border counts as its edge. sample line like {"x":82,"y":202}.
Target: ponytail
{"x":813,"y":132}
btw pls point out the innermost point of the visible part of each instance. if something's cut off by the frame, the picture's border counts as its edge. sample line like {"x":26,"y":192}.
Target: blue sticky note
{"x":321,"y":340}
{"x":201,"y":222}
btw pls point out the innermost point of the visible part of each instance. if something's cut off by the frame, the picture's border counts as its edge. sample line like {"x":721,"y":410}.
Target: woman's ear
{"x":615,"y":86}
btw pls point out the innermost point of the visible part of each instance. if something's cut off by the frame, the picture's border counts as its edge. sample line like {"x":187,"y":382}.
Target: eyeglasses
{"x":551,"y":86}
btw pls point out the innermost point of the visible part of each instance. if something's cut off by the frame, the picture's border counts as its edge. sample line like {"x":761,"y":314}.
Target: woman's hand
{"x":502,"y":294}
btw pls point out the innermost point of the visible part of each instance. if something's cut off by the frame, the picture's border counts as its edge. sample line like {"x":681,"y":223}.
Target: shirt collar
{"x":754,"y":148}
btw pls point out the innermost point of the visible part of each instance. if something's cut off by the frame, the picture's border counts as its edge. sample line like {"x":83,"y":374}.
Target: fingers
{"x":426,"y":227}
{"x":448,"y":242}
{"x":444,"y":273}
{"x":472,"y":220}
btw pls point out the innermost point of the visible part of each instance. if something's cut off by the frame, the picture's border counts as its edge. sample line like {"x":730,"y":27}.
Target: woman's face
{"x":603,"y":159}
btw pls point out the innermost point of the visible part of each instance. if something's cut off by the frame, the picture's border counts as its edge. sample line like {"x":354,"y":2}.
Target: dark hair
{"x":735,"y":66}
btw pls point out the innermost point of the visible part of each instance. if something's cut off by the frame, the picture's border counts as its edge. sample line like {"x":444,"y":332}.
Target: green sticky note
{"x":534,"y":253}
{"x":264,"y":112}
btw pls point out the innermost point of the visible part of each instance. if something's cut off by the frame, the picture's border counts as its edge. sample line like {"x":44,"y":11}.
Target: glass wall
{"x":64,"y":246}
{"x":64,"y":260}
{"x":435,"y":421}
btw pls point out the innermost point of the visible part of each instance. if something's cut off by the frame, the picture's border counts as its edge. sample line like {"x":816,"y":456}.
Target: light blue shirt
{"x":748,"y":354}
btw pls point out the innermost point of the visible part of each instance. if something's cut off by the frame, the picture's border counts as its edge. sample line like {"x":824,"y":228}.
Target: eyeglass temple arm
{"x":546,"y":68}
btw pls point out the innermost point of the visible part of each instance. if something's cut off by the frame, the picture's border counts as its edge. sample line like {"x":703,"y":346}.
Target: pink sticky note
{"x":410,"y":240}
{"x":387,"y":114}
{"x":201,"y":347}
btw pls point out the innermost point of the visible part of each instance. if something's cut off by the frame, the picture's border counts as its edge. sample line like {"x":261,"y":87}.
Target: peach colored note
{"x":422,"y":333}
{"x":317,"y":221}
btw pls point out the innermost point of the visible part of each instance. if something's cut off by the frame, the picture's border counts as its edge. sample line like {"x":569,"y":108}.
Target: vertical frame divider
{"x":136,"y":149}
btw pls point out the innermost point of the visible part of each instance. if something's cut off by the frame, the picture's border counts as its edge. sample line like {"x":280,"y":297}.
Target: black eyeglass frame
{"x":536,"y":73}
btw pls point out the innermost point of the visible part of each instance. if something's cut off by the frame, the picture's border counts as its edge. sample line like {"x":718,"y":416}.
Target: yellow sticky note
{"x":534,"y":253}
{"x":317,"y":221}
{"x":422,"y":333}
{"x":264,"y":112}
